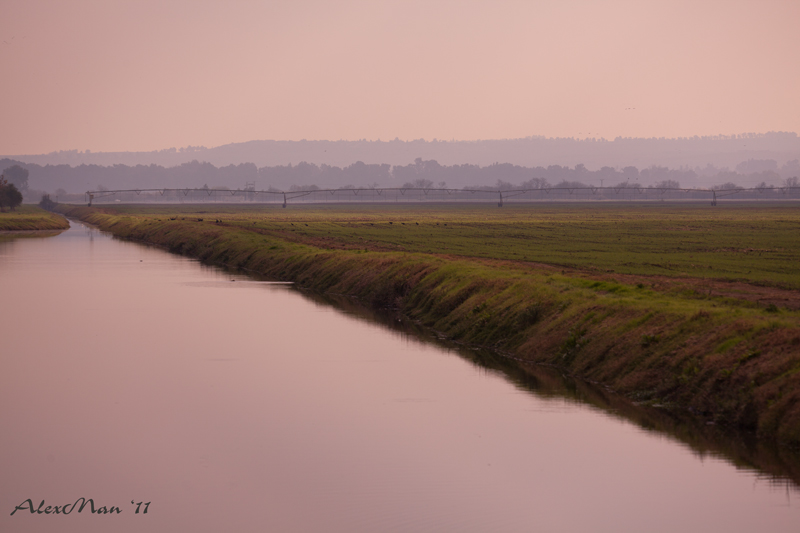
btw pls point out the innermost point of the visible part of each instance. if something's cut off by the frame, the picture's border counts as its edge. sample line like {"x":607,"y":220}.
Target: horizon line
{"x":190,"y":148}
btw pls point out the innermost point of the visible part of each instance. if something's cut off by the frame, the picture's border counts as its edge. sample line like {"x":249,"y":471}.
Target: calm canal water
{"x":129,"y":374}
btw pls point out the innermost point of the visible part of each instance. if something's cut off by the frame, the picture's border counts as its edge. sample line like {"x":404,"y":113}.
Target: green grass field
{"x":757,"y":243}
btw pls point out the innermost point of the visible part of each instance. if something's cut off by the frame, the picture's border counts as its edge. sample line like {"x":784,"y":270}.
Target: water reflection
{"x":8,"y":237}
{"x":776,"y":464}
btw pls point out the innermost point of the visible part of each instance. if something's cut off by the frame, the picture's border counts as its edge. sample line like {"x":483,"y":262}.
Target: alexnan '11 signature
{"x":88,"y":504}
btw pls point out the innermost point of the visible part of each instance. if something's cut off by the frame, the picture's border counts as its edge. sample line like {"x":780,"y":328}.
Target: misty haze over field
{"x":749,"y":160}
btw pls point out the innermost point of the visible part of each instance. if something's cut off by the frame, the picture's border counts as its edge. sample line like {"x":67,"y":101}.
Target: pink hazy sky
{"x":142,"y":75}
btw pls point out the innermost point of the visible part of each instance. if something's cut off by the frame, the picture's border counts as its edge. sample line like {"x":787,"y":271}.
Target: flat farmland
{"x":754,"y":243}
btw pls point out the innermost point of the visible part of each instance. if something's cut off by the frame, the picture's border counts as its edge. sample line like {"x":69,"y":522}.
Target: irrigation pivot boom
{"x":467,"y":195}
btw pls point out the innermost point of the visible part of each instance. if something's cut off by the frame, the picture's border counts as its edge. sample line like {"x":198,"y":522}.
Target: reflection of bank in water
{"x":780,"y":464}
{"x":23,"y":234}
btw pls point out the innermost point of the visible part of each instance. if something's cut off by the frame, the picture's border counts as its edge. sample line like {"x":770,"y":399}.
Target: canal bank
{"x":725,"y":360}
{"x":31,"y":218}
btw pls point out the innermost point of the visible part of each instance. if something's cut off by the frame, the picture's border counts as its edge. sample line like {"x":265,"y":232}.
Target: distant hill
{"x":720,"y":151}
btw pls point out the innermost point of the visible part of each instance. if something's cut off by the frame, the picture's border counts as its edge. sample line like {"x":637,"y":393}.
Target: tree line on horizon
{"x":61,"y":180}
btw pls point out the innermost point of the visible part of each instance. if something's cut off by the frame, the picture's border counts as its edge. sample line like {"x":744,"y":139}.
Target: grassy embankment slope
{"x":694,"y":307}
{"x":31,"y":217}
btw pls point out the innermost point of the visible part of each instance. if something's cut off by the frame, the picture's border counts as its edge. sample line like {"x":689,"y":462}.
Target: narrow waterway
{"x":132,"y":375}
